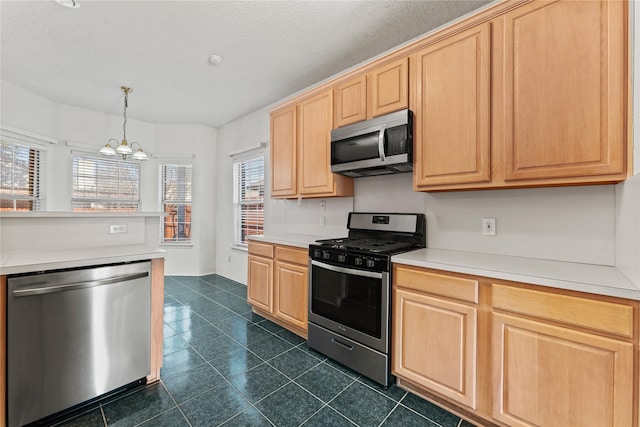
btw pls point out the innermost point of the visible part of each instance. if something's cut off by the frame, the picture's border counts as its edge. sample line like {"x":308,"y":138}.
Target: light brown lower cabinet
{"x":277,"y":284}
{"x":512,"y":354}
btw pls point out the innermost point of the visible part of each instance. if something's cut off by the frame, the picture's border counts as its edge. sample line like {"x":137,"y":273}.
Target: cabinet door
{"x":283,"y":152}
{"x":259,"y":283}
{"x":548,"y":375}
{"x":434,"y":344}
{"x":388,"y":88}
{"x":350,"y":101}
{"x":451,"y":83}
{"x":564,"y":83}
{"x":314,"y":135}
{"x":291,"y":293}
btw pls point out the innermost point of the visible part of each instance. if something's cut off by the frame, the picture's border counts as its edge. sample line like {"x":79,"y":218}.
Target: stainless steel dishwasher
{"x":75,"y":335}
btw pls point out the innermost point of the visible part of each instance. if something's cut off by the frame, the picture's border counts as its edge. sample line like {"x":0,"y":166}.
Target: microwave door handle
{"x":383,"y":129}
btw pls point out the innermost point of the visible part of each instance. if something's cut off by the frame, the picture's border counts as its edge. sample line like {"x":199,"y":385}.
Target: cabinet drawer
{"x":459,"y":288}
{"x":296,"y":256}
{"x":595,"y":314}
{"x":261,"y":249}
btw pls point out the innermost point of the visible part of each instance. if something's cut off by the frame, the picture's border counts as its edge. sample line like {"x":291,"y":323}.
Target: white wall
{"x":27,"y":111}
{"x":201,"y":141}
{"x":235,"y":136}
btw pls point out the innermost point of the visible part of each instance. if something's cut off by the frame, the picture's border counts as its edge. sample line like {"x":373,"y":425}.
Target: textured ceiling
{"x":271,"y":49}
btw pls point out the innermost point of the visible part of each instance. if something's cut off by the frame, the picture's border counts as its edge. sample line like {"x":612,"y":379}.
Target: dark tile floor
{"x":224,"y":365}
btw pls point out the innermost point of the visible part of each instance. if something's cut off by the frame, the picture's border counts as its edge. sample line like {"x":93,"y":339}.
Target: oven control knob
{"x":326,"y":255}
{"x":342,"y":258}
{"x":317,"y":253}
{"x":357,"y":261}
{"x":370,"y":263}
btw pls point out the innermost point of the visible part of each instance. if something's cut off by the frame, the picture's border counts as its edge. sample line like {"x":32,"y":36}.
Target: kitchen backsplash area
{"x":575,"y":224}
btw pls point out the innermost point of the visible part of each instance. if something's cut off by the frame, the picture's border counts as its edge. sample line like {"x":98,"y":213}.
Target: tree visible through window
{"x":105,"y":184}
{"x":176,"y":202}
{"x":20,"y":180}
{"x":248,"y":198}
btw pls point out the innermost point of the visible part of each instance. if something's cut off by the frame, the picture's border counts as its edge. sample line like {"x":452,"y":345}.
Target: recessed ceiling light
{"x":73,"y":4}
{"x":215,"y":59}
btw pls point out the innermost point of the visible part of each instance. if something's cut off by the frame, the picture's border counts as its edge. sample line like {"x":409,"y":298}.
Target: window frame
{"x":246,"y":157}
{"x":121,"y":202}
{"x":179,"y":201}
{"x":35,"y":182}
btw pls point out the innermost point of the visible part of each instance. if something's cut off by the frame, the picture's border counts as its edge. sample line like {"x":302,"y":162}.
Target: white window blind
{"x":176,"y":202}
{"x":105,"y":184}
{"x":248,"y":198}
{"x":20,"y":177}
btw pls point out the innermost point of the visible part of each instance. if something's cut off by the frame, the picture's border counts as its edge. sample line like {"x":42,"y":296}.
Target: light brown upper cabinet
{"x":561,"y":107}
{"x":451,"y":102}
{"x":301,"y":150}
{"x":350,"y":101}
{"x":535,"y":97}
{"x":283,"y":152}
{"x":383,"y":90}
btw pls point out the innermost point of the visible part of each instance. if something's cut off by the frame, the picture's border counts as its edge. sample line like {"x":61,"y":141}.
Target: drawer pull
{"x":341,"y":344}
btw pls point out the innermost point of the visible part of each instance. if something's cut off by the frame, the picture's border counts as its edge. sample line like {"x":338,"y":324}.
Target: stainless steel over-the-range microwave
{"x":379,"y":146}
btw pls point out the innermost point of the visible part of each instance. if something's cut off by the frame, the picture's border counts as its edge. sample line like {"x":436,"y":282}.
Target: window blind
{"x":248,"y":198}
{"x":176,"y":201}
{"x":20,"y":177}
{"x":105,"y":184}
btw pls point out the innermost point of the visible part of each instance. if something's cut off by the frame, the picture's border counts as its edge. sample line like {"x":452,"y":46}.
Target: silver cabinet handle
{"x":36,"y":288}
{"x":383,"y":158}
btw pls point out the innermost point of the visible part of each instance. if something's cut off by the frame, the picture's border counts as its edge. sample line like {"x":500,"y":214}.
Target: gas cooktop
{"x":376,"y":246}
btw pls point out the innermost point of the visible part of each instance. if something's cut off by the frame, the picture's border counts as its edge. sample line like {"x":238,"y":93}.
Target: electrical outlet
{"x":488,"y":226}
{"x":323,"y":221}
{"x":118,"y":228}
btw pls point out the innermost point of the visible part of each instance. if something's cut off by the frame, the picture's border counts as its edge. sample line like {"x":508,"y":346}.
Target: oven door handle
{"x":344,"y":270}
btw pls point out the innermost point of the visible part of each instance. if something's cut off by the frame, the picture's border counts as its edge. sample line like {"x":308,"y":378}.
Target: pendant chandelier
{"x":123,"y":149}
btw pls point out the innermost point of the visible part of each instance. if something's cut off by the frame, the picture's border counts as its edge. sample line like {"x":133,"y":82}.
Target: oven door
{"x":353,"y":303}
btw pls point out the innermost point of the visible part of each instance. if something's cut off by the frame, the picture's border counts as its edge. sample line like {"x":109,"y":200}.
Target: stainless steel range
{"x":350,"y":290}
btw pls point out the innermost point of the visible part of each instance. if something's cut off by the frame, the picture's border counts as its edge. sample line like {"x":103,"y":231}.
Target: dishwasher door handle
{"x":36,"y":288}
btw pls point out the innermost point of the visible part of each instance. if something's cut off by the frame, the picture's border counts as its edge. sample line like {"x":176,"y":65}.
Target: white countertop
{"x":66,"y":214}
{"x":596,"y":279}
{"x":15,"y":262}
{"x":296,"y":240}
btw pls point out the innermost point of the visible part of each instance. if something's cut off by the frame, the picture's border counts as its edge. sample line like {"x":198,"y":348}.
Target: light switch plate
{"x":488,"y":226}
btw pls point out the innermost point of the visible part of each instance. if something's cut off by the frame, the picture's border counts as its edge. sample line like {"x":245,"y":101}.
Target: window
{"x":105,"y":184}
{"x":20,"y":181}
{"x":176,"y":202}
{"x":248,"y":198}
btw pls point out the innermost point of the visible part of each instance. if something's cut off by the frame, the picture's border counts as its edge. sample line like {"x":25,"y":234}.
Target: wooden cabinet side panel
{"x":564,"y":95}
{"x":259,"y":283}
{"x":388,"y":88}
{"x":157,"y":318}
{"x":548,"y":375}
{"x":314,"y":134}
{"x":3,"y":350}
{"x":451,"y":82}
{"x":434,"y":344}
{"x":350,"y":101}
{"x":291,"y":294}
{"x":283,"y":152}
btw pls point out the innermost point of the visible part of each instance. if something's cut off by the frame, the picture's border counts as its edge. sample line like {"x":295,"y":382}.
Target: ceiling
{"x":270,"y":50}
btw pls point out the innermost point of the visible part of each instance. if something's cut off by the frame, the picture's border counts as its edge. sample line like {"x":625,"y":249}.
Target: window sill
{"x":177,"y":244}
